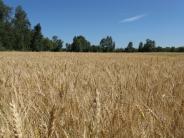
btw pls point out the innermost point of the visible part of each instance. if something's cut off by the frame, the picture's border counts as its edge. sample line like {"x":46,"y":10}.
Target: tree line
{"x":16,"y":34}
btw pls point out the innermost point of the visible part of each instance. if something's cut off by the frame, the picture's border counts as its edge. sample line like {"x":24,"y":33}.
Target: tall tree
{"x":22,"y":29}
{"x":5,"y":26}
{"x":57,"y":43}
{"x":68,"y":47}
{"x":130,"y":47}
{"x":141,"y":45}
{"x":1,"y":46}
{"x":8,"y":36}
{"x":47,"y":44}
{"x":149,"y":46}
{"x":107,"y":44}
{"x":4,"y":12}
{"x":80,"y":44}
{"x":36,"y":42}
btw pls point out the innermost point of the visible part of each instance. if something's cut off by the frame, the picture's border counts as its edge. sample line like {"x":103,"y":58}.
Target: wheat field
{"x":88,"y":95}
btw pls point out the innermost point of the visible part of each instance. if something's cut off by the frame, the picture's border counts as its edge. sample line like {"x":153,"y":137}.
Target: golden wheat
{"x":94,"y":95}
{"x":52,"y":122}
{"x":17,"y":130}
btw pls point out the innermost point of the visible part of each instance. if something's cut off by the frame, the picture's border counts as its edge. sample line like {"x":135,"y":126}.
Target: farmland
{"x":90,"y":95}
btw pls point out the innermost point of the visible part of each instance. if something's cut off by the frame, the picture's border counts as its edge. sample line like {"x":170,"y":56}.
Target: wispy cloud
{"x":134,"y":18}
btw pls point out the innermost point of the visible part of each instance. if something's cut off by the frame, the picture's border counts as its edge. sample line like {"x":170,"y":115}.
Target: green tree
{"x":180,"y":49}
{"x":107,"y":44}
{"x":173,"y":49}
{"x":8,"y":37}
{"x":58,"y":43}
{"x":1,"y":46}
{"x":36,"y":42}
{"x":5,"y":26}
{"x":118,"y":50}
{"x":47,"y":44}
{"x":68,"y":47}
{"x":4,"y":12}
{"x":22,"y":30}
{"x":149,"y":46}
{"x":80,"y":44}
{"x":141,"y":45}
{"x":94,"y":48}
{"x":130,"y":47}
{"x":159,"y":49}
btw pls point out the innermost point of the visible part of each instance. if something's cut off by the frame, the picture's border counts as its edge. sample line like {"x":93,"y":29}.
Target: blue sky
{"x":124,"y":20}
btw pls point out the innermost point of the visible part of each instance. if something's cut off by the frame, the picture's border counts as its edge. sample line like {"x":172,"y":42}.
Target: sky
{"x":124,"y":20}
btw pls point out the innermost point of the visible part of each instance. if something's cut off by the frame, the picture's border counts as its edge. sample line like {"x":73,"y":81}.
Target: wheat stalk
{"x":17,"y":130}
{"x":52,"y":120}
{"x":98,"y":114}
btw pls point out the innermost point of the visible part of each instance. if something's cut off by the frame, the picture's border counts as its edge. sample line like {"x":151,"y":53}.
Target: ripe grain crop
{"x":90,"y":95}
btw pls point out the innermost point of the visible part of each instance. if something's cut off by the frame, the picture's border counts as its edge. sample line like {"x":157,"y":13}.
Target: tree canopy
{"x":80,"y":44}
{"x":107,"y":44}
{"x":130,"y":47}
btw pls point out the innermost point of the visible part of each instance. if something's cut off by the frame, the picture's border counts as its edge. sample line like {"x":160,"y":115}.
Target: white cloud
{"x":132,"y":19}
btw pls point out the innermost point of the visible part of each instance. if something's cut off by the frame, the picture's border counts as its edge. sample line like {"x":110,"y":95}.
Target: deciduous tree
{"x":107,"y":44}
{"x":22,"y":30}
{"x":36,"y":42}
